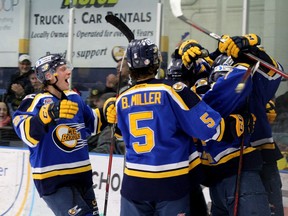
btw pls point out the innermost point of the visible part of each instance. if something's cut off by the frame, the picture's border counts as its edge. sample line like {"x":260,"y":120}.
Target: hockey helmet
{"x":220,"y":67}
{"x":142,"y":54}
{"x":48,"y":64}
{"x":174,"y":71}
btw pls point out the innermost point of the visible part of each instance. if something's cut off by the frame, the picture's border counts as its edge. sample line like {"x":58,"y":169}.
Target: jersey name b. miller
{"x":157,"y":121}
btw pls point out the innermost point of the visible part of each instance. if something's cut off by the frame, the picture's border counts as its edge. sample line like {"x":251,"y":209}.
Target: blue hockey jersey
{"x":158,"y":119}
{"x":58,"y":151}
{"x":223,"y":157}
{"x":265,"y":86}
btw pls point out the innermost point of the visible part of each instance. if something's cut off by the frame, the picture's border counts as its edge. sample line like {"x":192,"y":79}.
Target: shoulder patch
{"x":48,"y":101}
{"x":29,"y":96}
{"x":70,"y":92}
{"x":179,"y":86}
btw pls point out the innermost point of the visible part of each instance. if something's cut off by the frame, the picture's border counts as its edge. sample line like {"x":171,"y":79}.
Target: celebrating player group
{"x":204,"y":124}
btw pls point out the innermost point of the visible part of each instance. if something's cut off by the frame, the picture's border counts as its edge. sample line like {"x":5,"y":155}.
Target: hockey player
{"x":178,"y":72}
{"x":265,"y":85}
{"x":54,"y":124}
{"x":196,"y":77}
{"x":270,"y":174}
{"x":226,"y":101}
{"x":227,"y":165}
{"x":157,"y":119}
{"x":221,"y":159}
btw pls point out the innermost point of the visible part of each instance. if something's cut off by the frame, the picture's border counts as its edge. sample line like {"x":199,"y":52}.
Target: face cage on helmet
{"x":216,"y":75}
{"x":41,"y":74}
{"x":219,"y":71}
{"x":68,"y":64}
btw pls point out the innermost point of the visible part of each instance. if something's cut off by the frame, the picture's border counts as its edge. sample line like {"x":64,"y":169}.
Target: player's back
{"x":158,"y":149}
{"x":147,"y":120}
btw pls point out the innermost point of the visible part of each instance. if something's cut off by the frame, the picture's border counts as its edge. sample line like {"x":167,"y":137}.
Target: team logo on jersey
{"x":68,"y":137}
{"x":48,"y":101}
{"x":179,"y":86}
{"x":29,"y":96}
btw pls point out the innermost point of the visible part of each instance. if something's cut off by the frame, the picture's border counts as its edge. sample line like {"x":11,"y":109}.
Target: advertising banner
{"x":94,"y":38}
{"x":9,"y":31}
{"x":47,"y":27}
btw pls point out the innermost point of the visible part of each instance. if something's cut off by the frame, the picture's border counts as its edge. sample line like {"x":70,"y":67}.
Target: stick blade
{"x":176,"y":8}
{"x":121,"y":26}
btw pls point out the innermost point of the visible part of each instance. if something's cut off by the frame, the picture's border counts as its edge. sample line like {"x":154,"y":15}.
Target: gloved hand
{"x":61,"y":109}
{"x":270,"y":111}
{"x":109,"y":110}
{"x":236,"y":125}
{"x":233,"y":45}
{"x":250,"y":120}
{"x":190,"y":51}
{"x":222,"y":46}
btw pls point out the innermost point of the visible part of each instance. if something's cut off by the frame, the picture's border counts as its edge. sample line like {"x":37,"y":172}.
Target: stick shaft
{"x":238,"y":181}
{"x":249,"y":55}
{"x":200,"y":28}
{"x":111,"y":149}
{"x":218,"y":37}
{"x":116,"y":22}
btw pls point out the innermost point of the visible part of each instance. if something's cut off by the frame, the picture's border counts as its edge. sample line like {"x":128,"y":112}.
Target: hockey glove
{"x":233,"y":45}
{"x":190,"y":51}
{"x":222,"y":46}
{"x":250,"y":120}
{"x":68,"y":109}
{"x":236,"y":125}
{"x":109,"y":110}
{"x":270,"y":111}
{"x":54,"y":111}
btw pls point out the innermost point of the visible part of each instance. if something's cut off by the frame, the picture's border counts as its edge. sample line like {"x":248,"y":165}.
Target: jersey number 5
{"x":207,"y":120}
{"x":137,"y":132}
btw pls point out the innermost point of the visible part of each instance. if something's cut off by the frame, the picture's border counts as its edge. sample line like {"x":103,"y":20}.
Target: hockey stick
{"x":121,"y":26}
{"x":177,"y":12}
{"x":239,"y":89}
{"x":238,"y":180}
{"x":112,"y":146}
{"x":116,"y":22}
{"x":117,"y":53}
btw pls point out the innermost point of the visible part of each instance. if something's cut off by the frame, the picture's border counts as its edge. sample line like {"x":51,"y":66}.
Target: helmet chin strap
{"x":63,"y":96}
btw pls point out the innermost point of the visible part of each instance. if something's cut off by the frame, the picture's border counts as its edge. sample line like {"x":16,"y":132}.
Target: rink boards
{"x":19,"y":197}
